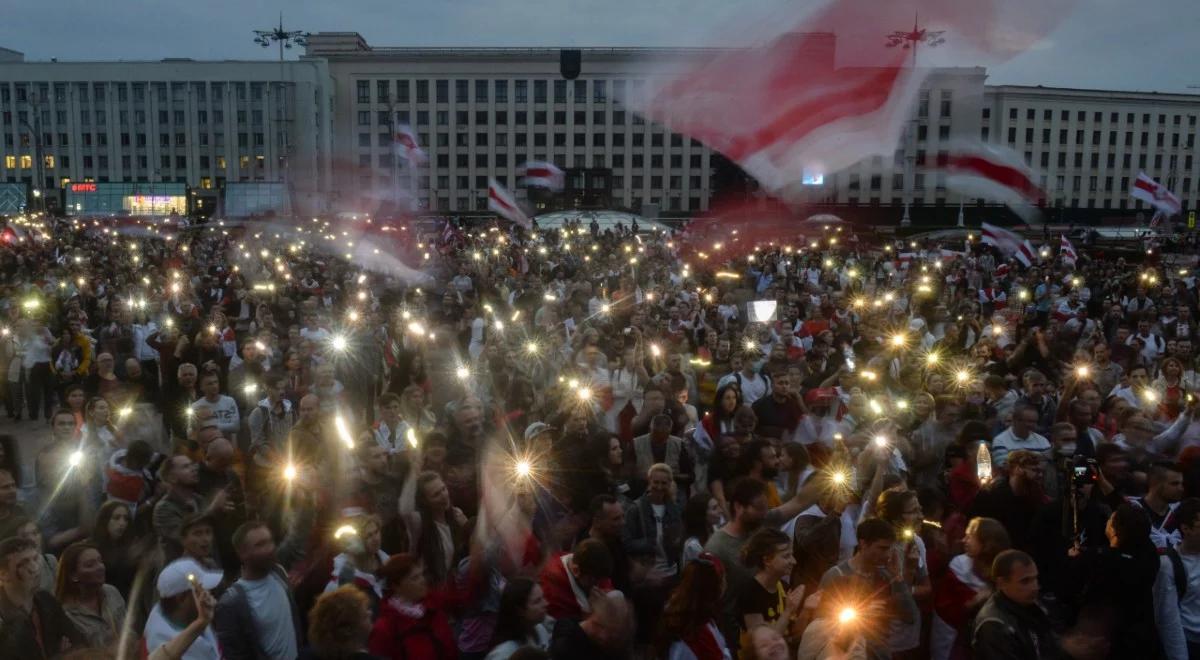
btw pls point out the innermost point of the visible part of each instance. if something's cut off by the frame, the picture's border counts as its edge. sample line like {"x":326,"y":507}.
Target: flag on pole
{"x":503,"y":204}
{"x":1156,"y":194}
{"x":1067,"y":251}
{"x":544,"y":174}
{"x":408,"y":147}
{"x":1009,"y":243}
{"x":992,"y":172}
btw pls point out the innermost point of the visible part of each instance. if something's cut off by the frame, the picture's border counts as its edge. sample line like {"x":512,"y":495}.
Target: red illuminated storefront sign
{"x":83,"y":187}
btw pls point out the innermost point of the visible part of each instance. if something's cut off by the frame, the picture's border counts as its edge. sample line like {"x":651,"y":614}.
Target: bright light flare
{"x":76,"y":458}
{"x":847,"y":615}
{"x":338,"y":343}
{"x":289,"y":472}
{"x":343,"y":431}
{"x":344,"y":531}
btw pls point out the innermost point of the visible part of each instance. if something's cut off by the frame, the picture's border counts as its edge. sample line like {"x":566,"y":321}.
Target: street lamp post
{"x":35,"y":141}
{"x":283,"y":39}
{"x":911,"y":40}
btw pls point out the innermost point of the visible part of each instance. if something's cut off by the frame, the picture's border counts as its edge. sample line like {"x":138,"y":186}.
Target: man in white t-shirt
{"x":177,"y":610}
{"x":224,"y":408}
{"x":753,"y":385}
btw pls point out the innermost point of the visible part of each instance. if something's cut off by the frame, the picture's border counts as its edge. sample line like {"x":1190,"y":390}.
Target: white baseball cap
{"x":175,"y":578}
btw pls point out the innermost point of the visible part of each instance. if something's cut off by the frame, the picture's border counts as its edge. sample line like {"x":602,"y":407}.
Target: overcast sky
{"x":1107,"y":44}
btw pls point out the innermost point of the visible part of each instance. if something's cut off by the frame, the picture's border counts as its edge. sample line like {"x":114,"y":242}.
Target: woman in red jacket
{"x":412,"y":622}
{"x":964,"y":588}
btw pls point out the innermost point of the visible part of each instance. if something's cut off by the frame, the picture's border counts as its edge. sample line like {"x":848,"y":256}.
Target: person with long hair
{"x":719,"y":418}
{"x":114,"y":536}
{"x":411,"y":623}
{"x":701,"y":515}
{"x":98,"y":434}
{"x":339,"y":625}
{"x":964,"y":588}
{"x":687,"y":629}
{"x":520,"y":621}
{"x":436,"y":528}
{"x":94,"y":606}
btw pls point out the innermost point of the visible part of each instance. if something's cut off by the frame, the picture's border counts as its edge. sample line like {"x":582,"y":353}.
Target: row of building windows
{"x":1097,"y":116}
{"x":140,"y":140}
{"x":539,"y":140}
{"x":462,"y":118}
{"x":491,"y":91}
{"x":1097,"y":138}
{"x":25,"y":162}
{"x":138,"y":91}
{"x":85,"y":117}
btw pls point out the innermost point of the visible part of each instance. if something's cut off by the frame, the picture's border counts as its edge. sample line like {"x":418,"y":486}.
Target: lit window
{"x":26,"y":162}
{"x":220,"y":162}
{"x":206,"y":182}
{"x":49,"y":162}
{"x":10,"y":162}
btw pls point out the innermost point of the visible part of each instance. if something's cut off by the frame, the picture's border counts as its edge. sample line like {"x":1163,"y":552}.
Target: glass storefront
{"x":12,"y":198}
{"x":159,"y":199}
{"x":247,"y":198}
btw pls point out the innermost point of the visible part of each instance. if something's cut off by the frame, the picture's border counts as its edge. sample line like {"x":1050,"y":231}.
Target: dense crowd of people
{"x":576,"y":442}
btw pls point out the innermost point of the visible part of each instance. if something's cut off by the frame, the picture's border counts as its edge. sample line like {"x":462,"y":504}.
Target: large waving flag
{"x":544,"y":174}
{"x":408,"y":147}
{"x":1009,"y":243}
{"x":503,"y":204}
{"x":992,"y":172}
{"x":818,"y":93}
{"x":1156,"y":194}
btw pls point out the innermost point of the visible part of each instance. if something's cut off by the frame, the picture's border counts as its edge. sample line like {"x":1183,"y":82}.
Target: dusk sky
{"x":1153,"y":45}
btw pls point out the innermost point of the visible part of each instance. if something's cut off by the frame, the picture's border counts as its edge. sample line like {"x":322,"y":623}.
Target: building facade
{"x":1089,"y":145}
{"x":224,"y":131}
{"x":200,"y":124}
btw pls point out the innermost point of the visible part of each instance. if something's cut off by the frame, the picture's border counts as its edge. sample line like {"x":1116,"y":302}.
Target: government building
{"x":314,"y":135}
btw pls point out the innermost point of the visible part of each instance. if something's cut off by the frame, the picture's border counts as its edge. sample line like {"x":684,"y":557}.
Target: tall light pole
{"x":34,"y":128}
{"x":284,"y":39}
{"x":911,"y":40}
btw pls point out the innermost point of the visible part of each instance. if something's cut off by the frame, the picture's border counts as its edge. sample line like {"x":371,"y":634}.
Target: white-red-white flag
{"x":1067,"y":251}
{"x":1156,"y":194}
{"x":992,"y":172}
{"x":1009,"y":243}
{"x":503,"y":204}
{"x":408,"y":147}
{"x":544,"y":174}
{"x":817,"y":92}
